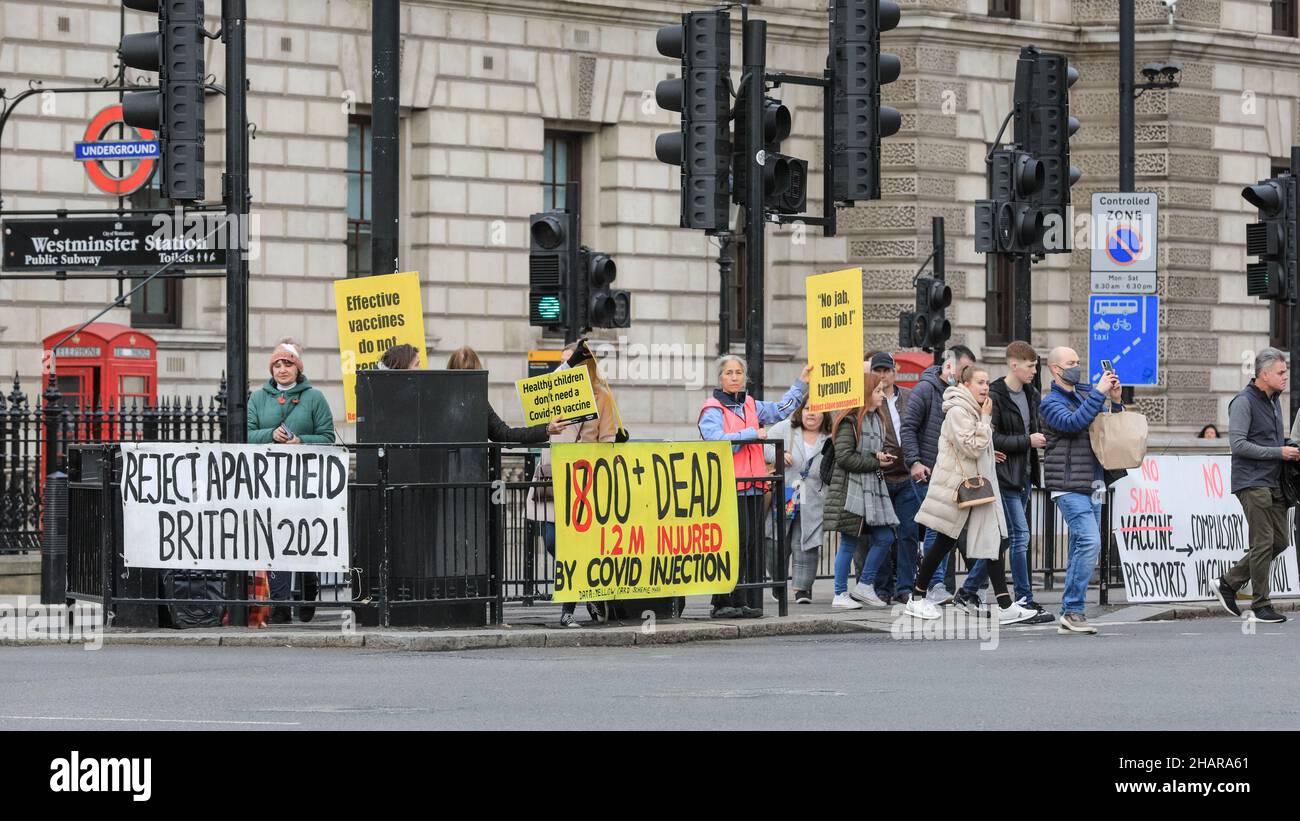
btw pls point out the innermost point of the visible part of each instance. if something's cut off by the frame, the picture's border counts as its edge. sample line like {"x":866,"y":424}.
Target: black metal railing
{"x":35,"y":437}
{"x":430,"y":526}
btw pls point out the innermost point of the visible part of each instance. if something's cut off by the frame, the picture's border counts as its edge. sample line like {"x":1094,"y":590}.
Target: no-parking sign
{"x":1124,"y":243}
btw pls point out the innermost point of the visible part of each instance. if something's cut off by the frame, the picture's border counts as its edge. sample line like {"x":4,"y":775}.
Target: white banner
{"x":235,"y":507}
{"x":1179,"y":528}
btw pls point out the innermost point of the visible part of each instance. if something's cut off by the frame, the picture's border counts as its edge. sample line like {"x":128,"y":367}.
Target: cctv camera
{"x":1151,"y":70}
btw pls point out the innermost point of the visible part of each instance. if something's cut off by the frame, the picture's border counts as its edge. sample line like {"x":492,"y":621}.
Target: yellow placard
{"x":374,"y":314}
{"x":644,"y":520}
{"x":835,"y":340}
{"x":564,"y":395}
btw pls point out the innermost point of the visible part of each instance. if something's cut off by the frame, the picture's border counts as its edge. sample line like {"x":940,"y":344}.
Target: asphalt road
{"x":1154,"y":675}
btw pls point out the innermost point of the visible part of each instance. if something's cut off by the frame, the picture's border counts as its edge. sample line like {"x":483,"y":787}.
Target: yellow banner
{"x":374,"y":314}
{"x":835,"y":340}
{"x":644,"y":520}
{"x":564,"y":395}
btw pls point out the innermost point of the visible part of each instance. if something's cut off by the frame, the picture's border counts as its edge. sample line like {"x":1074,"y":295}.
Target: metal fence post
{"x":54,"y":540}
{"x":1049,"y":542}
{"x":381,"y":487}
{"x":778,"y":524}
{"x":1104,"y":580}
{"x":107,"y":531}
{"x":496,"y":503}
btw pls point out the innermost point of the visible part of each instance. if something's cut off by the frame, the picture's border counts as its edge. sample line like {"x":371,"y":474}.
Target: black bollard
{"x":54,"y":540}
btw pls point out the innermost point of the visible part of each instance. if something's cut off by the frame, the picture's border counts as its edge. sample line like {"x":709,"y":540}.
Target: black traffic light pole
{"x":755,"y":48}
{"x":235,"y":193}
{"x":386,"y":92}
{"x":725,"y":244}
{"x":1127,"y":119}
{"x":572,"y":321}
{"x":938,"y":251}
{"x":1293,"y":290}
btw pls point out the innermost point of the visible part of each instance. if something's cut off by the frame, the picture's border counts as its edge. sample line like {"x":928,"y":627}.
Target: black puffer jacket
{"x":1021,"y":466}
{"x":923,"y":419}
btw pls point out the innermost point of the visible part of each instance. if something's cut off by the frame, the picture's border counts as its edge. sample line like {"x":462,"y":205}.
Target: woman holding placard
{"x":541,"y":502}
{"x":289,"y":411}
{"x":732,"y":415}
{"x":465,"y":359}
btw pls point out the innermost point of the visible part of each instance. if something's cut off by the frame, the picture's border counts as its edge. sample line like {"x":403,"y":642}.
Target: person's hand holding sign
{"x":555,"y":426}
{"x":807,"y":373}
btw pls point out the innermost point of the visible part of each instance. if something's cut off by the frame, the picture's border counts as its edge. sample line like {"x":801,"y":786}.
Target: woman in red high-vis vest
{"x":730,"y":414}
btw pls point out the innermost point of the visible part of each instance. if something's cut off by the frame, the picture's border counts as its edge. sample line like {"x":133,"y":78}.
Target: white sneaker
{"x":866,"y":594}
{"x":920,"y":608}
{"x":939,"y":596}
{"x":843,"y":601}
{"x":1015,"y":614}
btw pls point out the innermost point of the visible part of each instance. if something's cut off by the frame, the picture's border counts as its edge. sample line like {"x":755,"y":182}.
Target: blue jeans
{"x":1014,"y":504}
{"x":1083,"y":518}
{"x":879,"y":539}
{"x":921,"y":489}
{"x":906,"y":503}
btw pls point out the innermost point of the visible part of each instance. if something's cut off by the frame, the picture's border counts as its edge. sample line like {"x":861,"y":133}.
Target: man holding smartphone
{"x":1072,"y":473}
{"x":896,"y":577}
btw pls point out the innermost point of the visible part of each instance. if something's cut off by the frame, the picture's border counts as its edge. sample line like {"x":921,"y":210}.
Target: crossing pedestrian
{"x":922,"y":423}
{"x":1072,"y":474}
{"x":1016,"y":442}
{"x":965,"y":455}
{"x":1255,"y":435}
{"x":465,"y":359}
{"x":858,"y":505}
{"x":541,"y":498}
{"x":898,"y":573}
{"x":730,"y":414}
{"x":289,"y":411}
{"x":803,"y":435}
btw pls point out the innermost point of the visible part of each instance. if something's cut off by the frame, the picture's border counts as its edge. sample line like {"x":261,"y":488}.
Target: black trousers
{"x":943,"y":545}
{"x":749,"y":513}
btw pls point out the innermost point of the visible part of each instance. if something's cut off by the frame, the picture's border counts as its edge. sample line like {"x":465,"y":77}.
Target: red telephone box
{"x":104,"y":365}
{"x":910,"y":366}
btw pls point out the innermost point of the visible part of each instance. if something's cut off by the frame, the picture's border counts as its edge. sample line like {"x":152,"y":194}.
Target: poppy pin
{"x":281,"y":400}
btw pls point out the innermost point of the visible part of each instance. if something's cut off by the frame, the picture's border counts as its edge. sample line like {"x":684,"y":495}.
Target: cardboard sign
{"x":1179,"y":528}
{"x":565,"y":395}
{"x":835,"y":340}
{"x":235,"y":507}
{"x":644,"y":520}
{"x":375,"y":314}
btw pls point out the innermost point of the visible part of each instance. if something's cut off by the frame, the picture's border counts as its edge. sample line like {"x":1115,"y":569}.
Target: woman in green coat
{"x":287,"y":410}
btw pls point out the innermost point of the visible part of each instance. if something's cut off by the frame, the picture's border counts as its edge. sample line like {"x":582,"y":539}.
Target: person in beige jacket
{"x":965,"y":452}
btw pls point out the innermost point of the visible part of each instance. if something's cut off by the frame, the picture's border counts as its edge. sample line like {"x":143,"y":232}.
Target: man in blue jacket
{"x":1072,"y":474}
{"x":922,"y":423}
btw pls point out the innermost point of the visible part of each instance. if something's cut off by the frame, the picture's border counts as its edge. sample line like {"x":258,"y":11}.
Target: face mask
{"x":1071,"y":376}
{"x":952,"y":381}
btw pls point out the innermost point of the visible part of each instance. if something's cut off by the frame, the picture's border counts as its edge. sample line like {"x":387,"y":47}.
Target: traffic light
{"x":703,"y":146}
{"x":552,"y":258}
{"x":175,"y":110}
{"x":606,"y":308}
{"x":1274,"y":239}
{"x":1043,"y":127}
{"x":785,"y":178}
{"x":929,"y":325}
{"x":858,"y":70}
{"x":1011,"y":221}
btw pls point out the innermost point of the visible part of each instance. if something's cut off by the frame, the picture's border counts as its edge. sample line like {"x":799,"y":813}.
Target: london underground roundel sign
{"x":95,"y":169}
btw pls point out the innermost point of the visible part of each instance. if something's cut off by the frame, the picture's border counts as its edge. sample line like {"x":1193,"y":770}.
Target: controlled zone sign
{"x":1179,"y":528}
{"x":644,"y":520}
{"x":1125,"y":330}
{"x":1123,"y":240}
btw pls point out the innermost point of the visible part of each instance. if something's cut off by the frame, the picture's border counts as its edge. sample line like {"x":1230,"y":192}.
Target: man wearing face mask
{"x":1072,"y":473}
{"x":922,"y":424}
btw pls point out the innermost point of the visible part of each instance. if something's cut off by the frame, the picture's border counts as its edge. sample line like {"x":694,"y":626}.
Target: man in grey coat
{"x":1258,"y":451}
{"x":922,"y":421}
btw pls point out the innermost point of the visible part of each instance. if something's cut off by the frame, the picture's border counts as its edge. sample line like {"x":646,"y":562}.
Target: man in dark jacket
{"x":1016,"y":440}
{"x":922,"y":424}
{"x":1072,"y":473}
{"x":1258,"y":450}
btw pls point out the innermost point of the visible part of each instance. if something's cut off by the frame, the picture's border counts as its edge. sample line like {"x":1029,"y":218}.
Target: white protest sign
{"x":1179,"y":528}
{"x":235,"y":507}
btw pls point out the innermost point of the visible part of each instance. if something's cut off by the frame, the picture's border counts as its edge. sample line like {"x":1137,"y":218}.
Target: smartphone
{"x":288,"y":434}
{"x":1107,"y":366}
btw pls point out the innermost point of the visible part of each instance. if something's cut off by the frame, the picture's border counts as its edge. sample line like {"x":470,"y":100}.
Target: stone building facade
{"x":494,"y":93}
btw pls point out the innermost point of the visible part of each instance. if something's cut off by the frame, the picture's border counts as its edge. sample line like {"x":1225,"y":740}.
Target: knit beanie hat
{"x":289,"y":350}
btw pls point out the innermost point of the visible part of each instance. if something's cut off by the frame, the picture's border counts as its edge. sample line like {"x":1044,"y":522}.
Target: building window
{"x":561,"y":163}
{"x":999,"y":299}
{"x":158,"y":304}
{"x":737,"y":291}
{"x":1279,"y":313}
{"x":359,"y":196}
{"x":1005,"y":8}
{"x":1284,"y":17}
